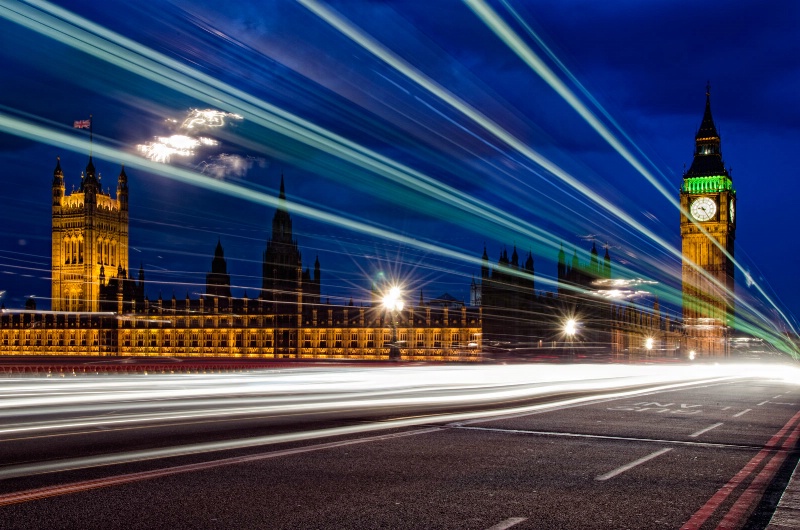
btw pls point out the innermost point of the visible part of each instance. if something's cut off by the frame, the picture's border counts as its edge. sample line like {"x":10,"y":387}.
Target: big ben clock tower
{"x":708,"y":196}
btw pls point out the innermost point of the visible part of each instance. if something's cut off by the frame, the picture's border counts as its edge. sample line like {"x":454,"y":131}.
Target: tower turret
{"x":122,"y":190}
{"x":58,"y":183}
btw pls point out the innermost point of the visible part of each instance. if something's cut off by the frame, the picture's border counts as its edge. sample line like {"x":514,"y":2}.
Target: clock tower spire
{"x":709,"y":199}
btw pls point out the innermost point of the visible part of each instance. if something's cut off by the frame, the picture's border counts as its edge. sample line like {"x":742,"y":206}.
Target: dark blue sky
{"x":645,"y":63}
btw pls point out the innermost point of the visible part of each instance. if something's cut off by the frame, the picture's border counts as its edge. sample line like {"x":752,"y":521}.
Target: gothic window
{"x":420,"y":340}
{"x":113,"y":253}
{"x":437,"y":339}
{"x":353,"y":340}
{"x":338,"y":340}
{"x":99,"y":252}
{"x":370,"y":340}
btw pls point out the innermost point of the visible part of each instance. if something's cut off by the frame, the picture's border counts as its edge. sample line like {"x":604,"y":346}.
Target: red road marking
{"x":85,"y":485}
{"x":759,"y":484}
{"x":701,"y":515}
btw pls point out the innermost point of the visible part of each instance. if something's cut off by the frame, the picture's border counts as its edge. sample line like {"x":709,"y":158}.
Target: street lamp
{"x":570,"y":329}
{"x":648,"y":343}
{"x":393,"y":304}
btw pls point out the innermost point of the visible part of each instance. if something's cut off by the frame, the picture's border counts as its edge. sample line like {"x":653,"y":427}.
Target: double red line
{"x":775,"y":453}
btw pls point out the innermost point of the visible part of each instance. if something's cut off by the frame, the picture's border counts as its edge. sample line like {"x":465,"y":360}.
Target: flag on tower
{"x":82,"y":124}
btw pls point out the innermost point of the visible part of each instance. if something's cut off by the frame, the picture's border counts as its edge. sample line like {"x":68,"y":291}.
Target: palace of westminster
{"x":99,"y":308}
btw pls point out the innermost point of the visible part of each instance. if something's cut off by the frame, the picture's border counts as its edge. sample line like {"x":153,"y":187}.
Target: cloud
{"x":225,"y":165}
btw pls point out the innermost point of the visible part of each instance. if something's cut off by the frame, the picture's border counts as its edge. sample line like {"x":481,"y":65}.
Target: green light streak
{"x":513,"y":41}
{"x":65,"y":27}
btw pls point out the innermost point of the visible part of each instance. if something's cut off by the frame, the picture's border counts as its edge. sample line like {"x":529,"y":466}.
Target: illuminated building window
{"x":370,"y":340}
{"x":420,"y":339}
{"x":306,"y":340}
{"x":253,"y":340}
{"x":354,"y":340}
{"x":323,"y":340}
{"x":338,"y":340}
{"x":437,"y":339}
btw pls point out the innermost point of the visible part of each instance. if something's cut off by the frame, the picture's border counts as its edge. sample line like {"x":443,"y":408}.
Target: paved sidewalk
{"x":787,"y":514}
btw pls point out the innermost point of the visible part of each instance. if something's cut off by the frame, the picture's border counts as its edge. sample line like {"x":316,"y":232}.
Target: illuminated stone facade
{"x":95,"y":316}
{"x":707,"y":239}
{"x":90,"y":241}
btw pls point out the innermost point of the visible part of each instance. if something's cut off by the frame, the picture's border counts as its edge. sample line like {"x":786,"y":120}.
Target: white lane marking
{"x":626,"y":467}
{"x":508,"y":523}
{"x":725,"y":408}
{"x":778,"y":396}
{"x":762,"y":403}
{"x":601,"y":437}
{"x":702,"y":431}
{"x":742,"y":413}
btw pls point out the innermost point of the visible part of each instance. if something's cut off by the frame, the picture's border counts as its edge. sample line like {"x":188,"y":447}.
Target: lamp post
{"x":393,"y":304}
{"x":648,"y":344}
{"x":570,"y":329}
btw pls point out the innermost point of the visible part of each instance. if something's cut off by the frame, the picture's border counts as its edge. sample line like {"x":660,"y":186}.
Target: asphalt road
{"x":564,"y":451}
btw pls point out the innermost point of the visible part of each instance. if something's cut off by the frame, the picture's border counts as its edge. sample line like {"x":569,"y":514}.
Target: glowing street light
{"x":570,"y":327}
{"x":393,"y":303}
{"x":648,"y":343}
{"x":570,"y":330}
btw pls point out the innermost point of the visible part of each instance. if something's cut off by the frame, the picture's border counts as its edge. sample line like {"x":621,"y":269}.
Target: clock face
{"x":703,"y":209}
{"x":732,"y":211}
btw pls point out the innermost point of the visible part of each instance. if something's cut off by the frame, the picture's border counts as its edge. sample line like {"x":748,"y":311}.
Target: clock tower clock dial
{"x":703,"y":209}
{"x":708,"y":232}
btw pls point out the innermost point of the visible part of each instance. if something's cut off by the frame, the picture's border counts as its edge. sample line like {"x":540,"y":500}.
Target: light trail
{"x":99,"y":42}
{"x":515,"y":43}
{"x":420,"y":391}
{"x":507,"y":35}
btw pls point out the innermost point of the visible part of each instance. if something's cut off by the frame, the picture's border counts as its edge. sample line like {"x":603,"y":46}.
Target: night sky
{"x":411,"y":143}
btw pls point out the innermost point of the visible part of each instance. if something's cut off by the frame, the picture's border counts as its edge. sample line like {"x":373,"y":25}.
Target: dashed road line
{"x":508,"y":523}
{"x":762,"y":403}
{"x":626,"y":467}
{"x":742,"y":413}
{"x":703,"y":431}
